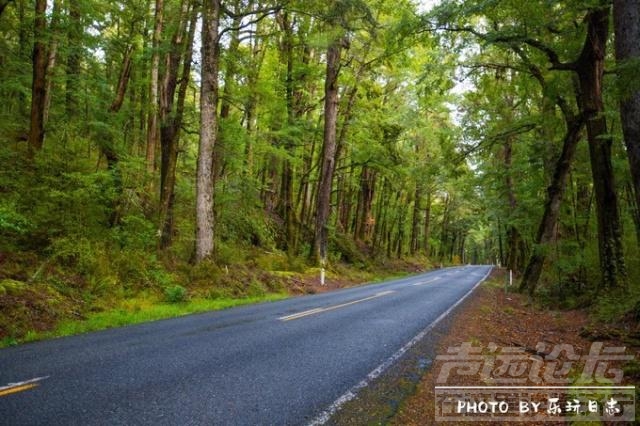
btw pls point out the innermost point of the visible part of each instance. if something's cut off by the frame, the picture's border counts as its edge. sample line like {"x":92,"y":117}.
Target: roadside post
{"x":508,"y":282}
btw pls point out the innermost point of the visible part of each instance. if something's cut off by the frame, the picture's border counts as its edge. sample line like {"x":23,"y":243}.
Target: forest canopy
{"x":147,"y":144}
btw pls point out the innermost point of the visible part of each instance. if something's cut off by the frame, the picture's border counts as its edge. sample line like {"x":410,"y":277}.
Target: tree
{"x":208,"y":130}
{"x":323,"y":202}
{"x":574,"y":124}
{"x":338,"y":22}
{"x":74,"y":40}
{"x":154,"y":86}
{"x":172,"y":112}
{"x":39,"y":79}
{"x":590,"y":70}
{"x":626,"y":18}
{"x":588,"y":67}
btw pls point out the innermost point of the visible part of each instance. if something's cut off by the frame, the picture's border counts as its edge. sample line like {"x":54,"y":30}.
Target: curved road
{"x":288,"y":362}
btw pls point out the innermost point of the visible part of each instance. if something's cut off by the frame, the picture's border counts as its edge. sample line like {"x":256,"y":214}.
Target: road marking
{"x":17,"y":389}
{"x":12,"y":388}
{"x":324,"y":417}
{"x":426,"y":282}
{"x":332,"y":308}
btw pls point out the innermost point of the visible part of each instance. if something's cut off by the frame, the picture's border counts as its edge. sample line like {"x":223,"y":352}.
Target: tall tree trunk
{"x":107,"y":146}
{"x":51,"y":58}
{"x":74,"y":40}
{"x":251,"y":103}
{"x":415,"y":219}
{"x":323,"y":202}
{"x":123,"y":80}
{"x":444,"y":233}
{"x":343,"y":204}
{"x":170,"y":120}
{"x":346,"y":204}
{"x":555,"y":193}
{"x":514,"y":239}
{"x":634,"y":209}
{"x":208,"y":130}
{"x":154,"y":87}
{"x":626,"y":17}
{"x":305,"y":196}
{"x":365,"y":202}
{"x":399,"y":241}
{"x":39,"y":82}
{"x":558,"y":180}
{"x":231,"y":65}
{"x":285,"y":203}
{"x":427,"y":225}
{"x":590,"y":70}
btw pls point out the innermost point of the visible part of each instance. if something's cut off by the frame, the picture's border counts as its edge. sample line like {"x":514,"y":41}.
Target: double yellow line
{"x":12,"y":388}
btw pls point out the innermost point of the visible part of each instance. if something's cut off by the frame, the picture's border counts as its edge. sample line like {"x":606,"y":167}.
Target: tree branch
{"x":268,"y":12}
{"x":514,"y":40}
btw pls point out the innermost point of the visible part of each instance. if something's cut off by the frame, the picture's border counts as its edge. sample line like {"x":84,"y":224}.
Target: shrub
{"x":135,"y":232}
{"x":12,"y":222}
{"x":175,"y":294}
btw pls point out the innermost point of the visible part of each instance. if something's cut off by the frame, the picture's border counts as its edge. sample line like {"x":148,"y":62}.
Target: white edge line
{"x":324,"y":417}
{"x":25,"y":382}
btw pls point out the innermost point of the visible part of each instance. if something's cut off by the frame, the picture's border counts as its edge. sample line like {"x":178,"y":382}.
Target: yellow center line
{"x":331,"y":308}
{"x":16,"y":389}
{"x":20,"y":386}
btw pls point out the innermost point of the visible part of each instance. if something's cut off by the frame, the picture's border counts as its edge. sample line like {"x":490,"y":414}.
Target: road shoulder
{"x":405,"y":394}
{"x":506,"y":320}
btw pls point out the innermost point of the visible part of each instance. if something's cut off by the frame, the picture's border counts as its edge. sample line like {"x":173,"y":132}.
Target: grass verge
{"x":139,"y":310}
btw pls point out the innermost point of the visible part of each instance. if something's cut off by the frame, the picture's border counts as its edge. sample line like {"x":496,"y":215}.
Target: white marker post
{"x":322,"y":273}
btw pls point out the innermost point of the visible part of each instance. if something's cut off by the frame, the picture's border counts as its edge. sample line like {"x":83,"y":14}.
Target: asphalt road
{"x":288,"y":362}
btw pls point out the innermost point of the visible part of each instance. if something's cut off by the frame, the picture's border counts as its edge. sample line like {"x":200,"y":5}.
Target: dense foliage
{"x":146,"y":145}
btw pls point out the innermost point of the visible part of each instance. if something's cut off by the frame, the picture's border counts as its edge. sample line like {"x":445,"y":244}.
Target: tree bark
{"x":52,"y":57}
{"x":154,"y":85}
{"x":219,"y":150}
{"x":362,"y":227}
{"x":343,"y":200}
{"x":555,"y":193}
{"x":39,"y":81}
{"x":170,"y":120}
{"x":626,"y":17}
{"x":208,"y":130}
{"x":123,"y":80}
{"x":74,"y":36}
{"x":427,"y":225}
{"x":323,"y":201}
{"x":415,"y":219}
{"x":515,"y":251}
{"x":257,"y":58}
{"x":285,"y":203}
{"x":107,"y":144}
{"x":590,"y":70}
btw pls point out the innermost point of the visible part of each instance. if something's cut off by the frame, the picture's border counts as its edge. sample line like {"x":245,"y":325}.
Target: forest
{"x":168,"y":150}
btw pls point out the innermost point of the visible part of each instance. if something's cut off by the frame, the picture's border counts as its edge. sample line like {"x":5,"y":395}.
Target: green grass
{"x":139,"y":310}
